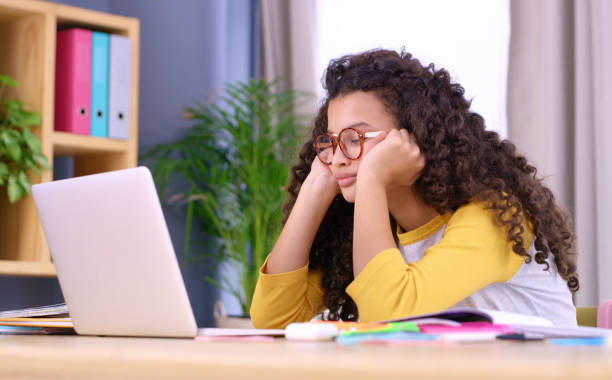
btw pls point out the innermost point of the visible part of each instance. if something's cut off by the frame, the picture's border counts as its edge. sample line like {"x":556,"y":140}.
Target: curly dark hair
{"x":464,"y":162}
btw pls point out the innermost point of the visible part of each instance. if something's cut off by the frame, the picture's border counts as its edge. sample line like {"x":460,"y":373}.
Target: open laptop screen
{"x":113,"y":255}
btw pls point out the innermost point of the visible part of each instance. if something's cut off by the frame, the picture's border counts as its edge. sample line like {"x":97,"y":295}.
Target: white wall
{"x":469,"y":38}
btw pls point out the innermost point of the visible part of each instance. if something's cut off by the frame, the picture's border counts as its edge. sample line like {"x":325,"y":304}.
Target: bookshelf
{"x":27,"y":53}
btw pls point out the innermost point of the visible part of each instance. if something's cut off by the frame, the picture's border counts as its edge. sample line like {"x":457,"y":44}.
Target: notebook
{"x":467,"y":314}
{"x":519,"y":323}
{"x":113,"y":255}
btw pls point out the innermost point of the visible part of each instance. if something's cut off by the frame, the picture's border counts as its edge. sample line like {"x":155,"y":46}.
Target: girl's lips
{"x":346,"y":181}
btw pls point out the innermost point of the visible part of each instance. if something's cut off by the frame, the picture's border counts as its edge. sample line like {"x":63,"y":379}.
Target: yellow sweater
{"x":471,"y":253}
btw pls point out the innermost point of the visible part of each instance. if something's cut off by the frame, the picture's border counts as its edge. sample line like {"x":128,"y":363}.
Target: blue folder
{"x":99,"y":83}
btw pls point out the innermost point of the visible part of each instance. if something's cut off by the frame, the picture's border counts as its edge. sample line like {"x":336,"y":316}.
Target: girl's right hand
{"x":321,"y":180}
{"x":316,"y":194}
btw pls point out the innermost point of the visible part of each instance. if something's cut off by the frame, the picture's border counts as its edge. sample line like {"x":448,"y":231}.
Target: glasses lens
{"x":350,"y":143}
{"x":324,"y":148}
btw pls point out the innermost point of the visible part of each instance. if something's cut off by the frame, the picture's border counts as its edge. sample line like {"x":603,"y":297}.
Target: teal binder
{"x":99,"y":83}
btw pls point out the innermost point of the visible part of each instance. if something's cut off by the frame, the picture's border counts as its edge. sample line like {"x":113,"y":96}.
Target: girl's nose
{"x":339,"y":159}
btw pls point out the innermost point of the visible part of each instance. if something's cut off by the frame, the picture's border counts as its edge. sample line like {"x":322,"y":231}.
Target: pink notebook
{"x":466,"y":327}
{"x":73,"y":81}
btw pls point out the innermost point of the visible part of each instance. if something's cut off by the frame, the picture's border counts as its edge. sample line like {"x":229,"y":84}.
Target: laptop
{"x":113,"y":255}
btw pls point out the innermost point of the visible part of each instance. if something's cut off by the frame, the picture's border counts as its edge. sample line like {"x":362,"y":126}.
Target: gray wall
{"x":188,"y":49}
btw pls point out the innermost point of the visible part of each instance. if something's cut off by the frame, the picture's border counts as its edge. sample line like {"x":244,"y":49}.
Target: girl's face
{"x":364,"y":112}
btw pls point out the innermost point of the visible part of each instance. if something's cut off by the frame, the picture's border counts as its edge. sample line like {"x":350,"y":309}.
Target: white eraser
{"x":310,"y":331}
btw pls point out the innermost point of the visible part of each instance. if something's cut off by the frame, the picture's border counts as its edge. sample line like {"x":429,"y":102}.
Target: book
{"x":519,"y":323}
{"x":466,"y":327}
{"x":564,"y":332}
{"x":19,"y":330}
{"x":34,"y":330}
{"x":38,"y":322}
{"x":480,"y":315}
{"x":57,"y":310}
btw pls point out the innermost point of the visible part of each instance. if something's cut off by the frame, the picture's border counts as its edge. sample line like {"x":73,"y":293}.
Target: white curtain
{"x":560,"y":117}
{"x":289,"y":46}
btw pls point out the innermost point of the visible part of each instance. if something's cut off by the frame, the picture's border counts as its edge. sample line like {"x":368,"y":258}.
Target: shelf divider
{"x":70,"y":144}
{"x":27,"y":268}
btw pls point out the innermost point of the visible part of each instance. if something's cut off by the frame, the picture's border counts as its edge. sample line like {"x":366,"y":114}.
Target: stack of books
{"x":51,"y":319}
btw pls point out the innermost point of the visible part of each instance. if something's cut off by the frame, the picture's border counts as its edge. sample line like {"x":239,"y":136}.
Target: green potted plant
{"x":20,"y":150}
{"x":235,"y":159}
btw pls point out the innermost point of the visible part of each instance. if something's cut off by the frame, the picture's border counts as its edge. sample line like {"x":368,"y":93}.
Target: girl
{"x":402,"y":203}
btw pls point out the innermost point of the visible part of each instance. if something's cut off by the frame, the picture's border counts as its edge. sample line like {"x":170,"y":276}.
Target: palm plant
{"x":235,"y":159}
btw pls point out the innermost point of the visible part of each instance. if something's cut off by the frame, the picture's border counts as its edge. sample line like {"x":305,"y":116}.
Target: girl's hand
{"x":394,"y":161}
{"x":321,"y":180}
{"x":292,"y":248}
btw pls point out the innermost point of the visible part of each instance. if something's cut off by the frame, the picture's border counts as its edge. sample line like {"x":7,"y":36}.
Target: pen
{"x":521,"y":336}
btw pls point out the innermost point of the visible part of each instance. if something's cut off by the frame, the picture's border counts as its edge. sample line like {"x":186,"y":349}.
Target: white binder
{"x":119,"y":87}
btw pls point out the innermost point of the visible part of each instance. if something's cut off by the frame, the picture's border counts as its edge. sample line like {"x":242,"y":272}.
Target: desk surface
{"x":34,"y":357}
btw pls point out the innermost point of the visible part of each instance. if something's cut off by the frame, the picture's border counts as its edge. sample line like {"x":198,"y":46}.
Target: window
{"x":469,"y":38}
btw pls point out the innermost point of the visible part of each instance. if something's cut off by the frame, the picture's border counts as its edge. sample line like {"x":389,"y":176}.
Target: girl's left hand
{"x":394,"y":161}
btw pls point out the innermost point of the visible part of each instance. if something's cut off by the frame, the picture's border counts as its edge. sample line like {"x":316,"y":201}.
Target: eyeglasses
{"x":350,"y":141}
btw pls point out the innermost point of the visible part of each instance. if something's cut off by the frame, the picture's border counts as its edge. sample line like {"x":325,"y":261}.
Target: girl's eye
{"x":322,"y":147}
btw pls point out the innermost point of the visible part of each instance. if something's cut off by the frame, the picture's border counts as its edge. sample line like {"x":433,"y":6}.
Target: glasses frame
{"x":336,"y":141}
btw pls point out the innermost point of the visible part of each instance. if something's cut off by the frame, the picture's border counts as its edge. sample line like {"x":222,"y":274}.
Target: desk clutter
{"x":454,"y":326}
{"x":92,"y":83}
{"x":432,"y":332}
{"x":449,"y":327}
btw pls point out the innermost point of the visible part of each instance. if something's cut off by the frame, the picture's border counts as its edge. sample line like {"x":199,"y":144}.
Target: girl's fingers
{"x":411,"y":138}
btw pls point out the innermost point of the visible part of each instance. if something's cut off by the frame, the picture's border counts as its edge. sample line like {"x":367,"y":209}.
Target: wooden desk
{"x":80,"y":357}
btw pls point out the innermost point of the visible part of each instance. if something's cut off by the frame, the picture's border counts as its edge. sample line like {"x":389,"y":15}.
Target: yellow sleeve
{"x":282,"y":298}
{"x":472,"y":253}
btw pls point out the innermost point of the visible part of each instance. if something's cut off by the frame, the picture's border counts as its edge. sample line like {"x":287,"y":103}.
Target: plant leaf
{"x":12,"y":144}
{"x":30,"y":163}
{"x":5,"y":79}
{"x":4,"y":172}
{"x":29,"y":118}
{"x":13,"y":107}
{"x":41,"y":160}
{"x":31,"y":140}
{"x":14,"y":190}
{"x":24,"y":182}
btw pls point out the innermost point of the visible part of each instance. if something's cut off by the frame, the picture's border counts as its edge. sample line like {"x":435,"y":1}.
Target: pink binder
{"x":73,"y":81}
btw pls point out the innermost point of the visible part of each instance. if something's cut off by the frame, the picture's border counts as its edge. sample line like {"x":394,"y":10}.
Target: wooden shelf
{"x":85,"y":18}
{"x":28,"y":32}
{"x":9,"y":10}
{"x":72,"y":144}
{"x":27,"y":268}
